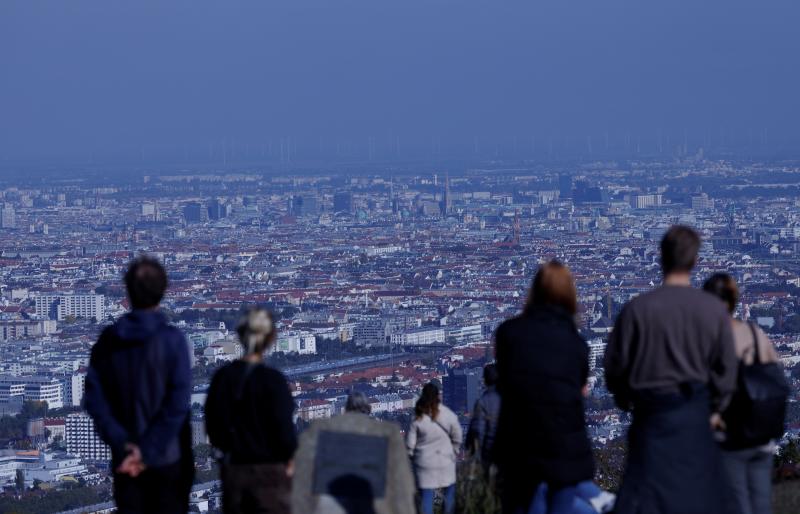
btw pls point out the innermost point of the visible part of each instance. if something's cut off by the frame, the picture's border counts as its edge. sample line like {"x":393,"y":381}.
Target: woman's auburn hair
{"x":428,"y":402}
{"x":553,"y":285}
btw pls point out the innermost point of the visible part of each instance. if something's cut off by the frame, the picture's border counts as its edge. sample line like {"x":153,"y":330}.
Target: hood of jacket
{"x":139,"y":326}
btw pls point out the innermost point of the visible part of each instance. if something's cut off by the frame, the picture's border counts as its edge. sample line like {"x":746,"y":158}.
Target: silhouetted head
{"x":358,"y":402}
{"x":553,"y":286}
{"x":724,"y":287}
{"x":428,"y":402}
{"x":490,"y":375}
{"x":146,"y":282}
{"x":679,"y":248}
{"x":256,"y":330}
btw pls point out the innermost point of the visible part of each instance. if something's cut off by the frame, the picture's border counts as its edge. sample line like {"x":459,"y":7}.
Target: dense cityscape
{"x":381,"y":280}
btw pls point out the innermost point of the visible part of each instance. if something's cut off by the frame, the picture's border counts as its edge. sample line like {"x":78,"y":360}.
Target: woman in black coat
{"x":543,"y":366}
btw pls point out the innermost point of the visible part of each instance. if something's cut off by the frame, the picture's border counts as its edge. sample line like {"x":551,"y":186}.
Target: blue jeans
{"x":426,"y":496}
{"x":567,"y":500}
{"x":749,"y":474}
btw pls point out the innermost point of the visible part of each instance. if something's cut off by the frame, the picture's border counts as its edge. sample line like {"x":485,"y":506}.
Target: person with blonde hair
{"x":249,"y":420}
{"x":543,"y":368}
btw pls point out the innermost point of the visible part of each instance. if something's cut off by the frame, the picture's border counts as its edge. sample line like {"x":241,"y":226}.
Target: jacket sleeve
{"x":96,"y":403}
{"x":477,"y":426}
{"x":501,"y":358}
{"x":411,"y":439}
{"x":217,"y":433}
{"x":616,"y":359}
{"x":175,"y":406}
{"x":282,"y":413}
{"x":724,"y":364}
{"x":766,"y":347}
{"x":456,"y":434}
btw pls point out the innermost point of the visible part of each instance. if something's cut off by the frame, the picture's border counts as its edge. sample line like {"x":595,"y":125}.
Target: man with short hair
{"x":670,"y":361}
{"x":137,"y":390}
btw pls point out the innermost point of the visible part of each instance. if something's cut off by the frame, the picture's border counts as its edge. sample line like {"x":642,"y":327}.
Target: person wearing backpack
{"x":433,"y":441}
{"x":249,"y":420}
{"x":755,"y":416}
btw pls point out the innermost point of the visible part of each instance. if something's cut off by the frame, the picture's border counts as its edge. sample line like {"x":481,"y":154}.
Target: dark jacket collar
{"x":140,"y":324}
{"x":552,"y":314}
{"x":550,"y":311}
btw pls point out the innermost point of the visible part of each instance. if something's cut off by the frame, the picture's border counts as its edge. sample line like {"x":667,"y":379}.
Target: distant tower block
{"x":447,"y":201}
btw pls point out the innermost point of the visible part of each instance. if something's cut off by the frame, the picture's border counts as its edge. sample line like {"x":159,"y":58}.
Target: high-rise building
{"x":216,"y":210}
{"x":8,"y":217}
{"x":303,"y":205}
{"x":193,"y":212}
{"x":645,"y":201}
{"x":82,"y":439}
{"x":565,"y":186}
{"x":461,"y":389}
{"x":303,"y":343}
{"x":149,"y":209}
{"x":447,"y":201}
{"x":370,"y":332}
{"x":60,"y":306}
{"x":34,"y":388}
{"x":702,"y":203}
{"x":343,"y":202}
{"x":74,"y":388}
{"x":585,"y":193}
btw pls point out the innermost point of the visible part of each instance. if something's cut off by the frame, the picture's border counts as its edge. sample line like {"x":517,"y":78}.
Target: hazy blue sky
{"x":108,"y":75}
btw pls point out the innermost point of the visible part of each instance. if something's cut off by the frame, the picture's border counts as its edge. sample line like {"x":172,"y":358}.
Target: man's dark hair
{"x":146,"y":281}
{"x":490,"y":375}
{"x":679,"y":248}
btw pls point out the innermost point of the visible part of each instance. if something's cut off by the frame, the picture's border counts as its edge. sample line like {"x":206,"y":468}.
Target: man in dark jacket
{"x":137,"y":390}
{"x":485,"y":415}
{"x":671,"y":361}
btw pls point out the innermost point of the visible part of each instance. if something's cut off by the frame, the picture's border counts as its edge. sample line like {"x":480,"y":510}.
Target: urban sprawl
{"x":380,"y":280}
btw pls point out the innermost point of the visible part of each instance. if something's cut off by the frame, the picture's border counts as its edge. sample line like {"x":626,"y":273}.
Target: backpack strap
{"x":446,"y":432}
{"x":757,"y":353}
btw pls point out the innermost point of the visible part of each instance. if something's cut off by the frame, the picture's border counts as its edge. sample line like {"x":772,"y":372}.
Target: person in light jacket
{"x":433,"y":441}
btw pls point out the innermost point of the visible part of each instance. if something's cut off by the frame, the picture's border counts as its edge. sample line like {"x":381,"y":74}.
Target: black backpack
{"x":757,"y":411}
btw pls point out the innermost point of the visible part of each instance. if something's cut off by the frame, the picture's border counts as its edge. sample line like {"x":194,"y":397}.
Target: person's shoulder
{"x":221,"y":375}
{"x":172,"y":332}
{"x":104,"y":340}
{"x":510,"y":325}
{"x":709,"y":303}
{"x":271,"y":375}
{"x":447,"y":413}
